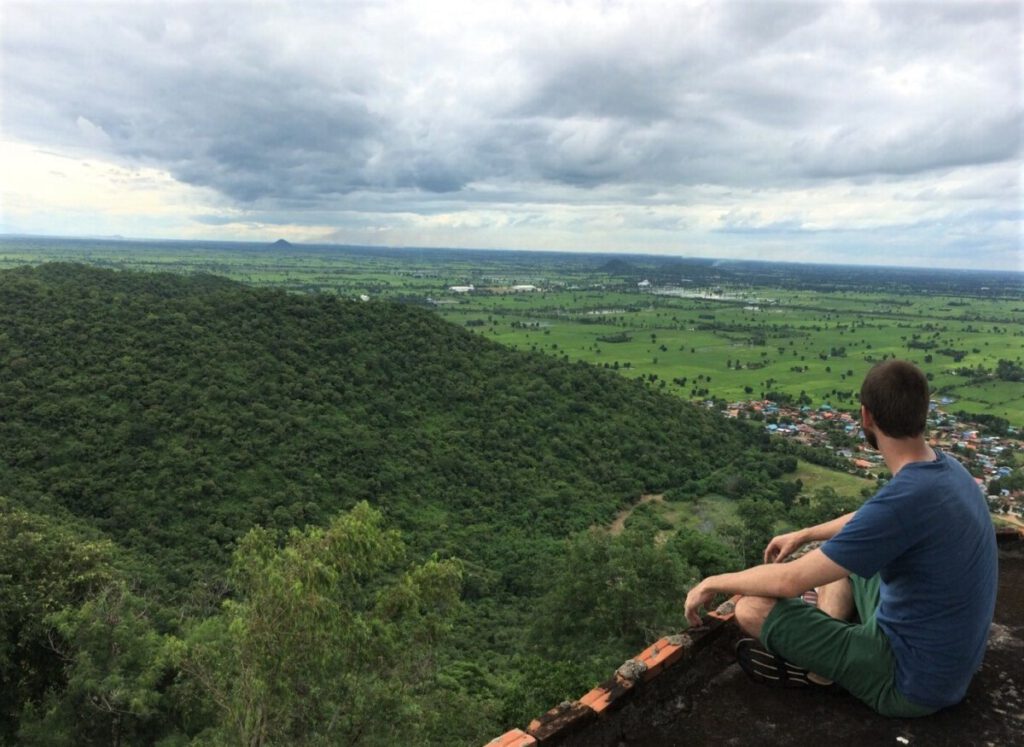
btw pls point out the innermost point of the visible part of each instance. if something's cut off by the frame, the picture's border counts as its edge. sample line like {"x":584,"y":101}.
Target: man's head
{"x":895,"y":393}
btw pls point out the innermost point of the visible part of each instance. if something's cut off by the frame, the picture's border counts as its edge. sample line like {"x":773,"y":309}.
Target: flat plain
{"x":698,"y":329}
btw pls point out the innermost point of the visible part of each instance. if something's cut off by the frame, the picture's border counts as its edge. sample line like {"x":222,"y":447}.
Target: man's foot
{"x":766,"y":668}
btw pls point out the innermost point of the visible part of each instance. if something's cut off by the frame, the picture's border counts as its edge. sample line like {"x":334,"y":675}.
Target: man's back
{"x":929,"y":535}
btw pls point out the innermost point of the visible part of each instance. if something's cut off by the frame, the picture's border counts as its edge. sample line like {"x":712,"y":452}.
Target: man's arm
{"x":828,"y":529}
{"x":782,"y":546}
{"x":777,"y":580}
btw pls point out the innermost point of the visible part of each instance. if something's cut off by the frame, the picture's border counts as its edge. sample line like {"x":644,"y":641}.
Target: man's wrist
{"x":716,"y":584}
{"x":814,"y":534}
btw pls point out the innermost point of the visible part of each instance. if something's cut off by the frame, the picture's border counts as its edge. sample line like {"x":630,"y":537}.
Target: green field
{"x":700,"y":348}
{"x":815,"y":477}
{"x":710,"y":513}
{"x":730,"y":338}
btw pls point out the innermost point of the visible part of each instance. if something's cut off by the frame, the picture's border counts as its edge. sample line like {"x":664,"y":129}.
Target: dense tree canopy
{"x":221,"y":503}
{"x":175,"y":413}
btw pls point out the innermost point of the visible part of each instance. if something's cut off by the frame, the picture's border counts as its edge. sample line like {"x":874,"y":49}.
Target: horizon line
{"x":574,"y":252}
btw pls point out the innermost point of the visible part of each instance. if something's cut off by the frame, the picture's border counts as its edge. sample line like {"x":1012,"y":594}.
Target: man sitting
{"x":916,"y":564}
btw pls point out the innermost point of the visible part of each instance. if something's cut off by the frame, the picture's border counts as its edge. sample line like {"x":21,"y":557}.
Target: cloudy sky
{"x":881,"y":133}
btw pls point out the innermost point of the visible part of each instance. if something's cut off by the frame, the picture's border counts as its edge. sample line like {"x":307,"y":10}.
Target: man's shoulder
{"x":941,"y":476}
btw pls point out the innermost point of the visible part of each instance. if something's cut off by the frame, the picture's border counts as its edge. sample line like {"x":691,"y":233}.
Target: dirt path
{"x":620,"y":521}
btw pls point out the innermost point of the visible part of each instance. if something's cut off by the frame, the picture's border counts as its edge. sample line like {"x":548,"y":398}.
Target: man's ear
{"x":866,"y":417}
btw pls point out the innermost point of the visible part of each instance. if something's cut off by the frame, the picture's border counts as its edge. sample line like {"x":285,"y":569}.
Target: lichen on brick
{"x":631,"y":670}
{"x":725,"y":608}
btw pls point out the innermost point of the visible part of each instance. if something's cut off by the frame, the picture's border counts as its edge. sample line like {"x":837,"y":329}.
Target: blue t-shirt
{"x":928,"y":534}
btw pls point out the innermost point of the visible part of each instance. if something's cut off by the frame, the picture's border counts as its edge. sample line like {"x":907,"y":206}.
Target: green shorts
{"x":855,"y":655}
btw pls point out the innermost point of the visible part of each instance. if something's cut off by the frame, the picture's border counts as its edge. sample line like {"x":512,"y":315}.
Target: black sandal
{"x":766,"y":668}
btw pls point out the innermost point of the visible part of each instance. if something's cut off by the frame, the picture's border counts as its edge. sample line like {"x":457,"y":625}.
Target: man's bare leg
{"x":835,"y":600}
{"x":751,"y":613}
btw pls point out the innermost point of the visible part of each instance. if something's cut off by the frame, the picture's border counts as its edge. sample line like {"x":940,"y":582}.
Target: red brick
{"x":560,"y":720}
{"x":730,"y":605}
{"x":514,"y":738}
{"x":602,"y":697}
{"x":659,"y":656}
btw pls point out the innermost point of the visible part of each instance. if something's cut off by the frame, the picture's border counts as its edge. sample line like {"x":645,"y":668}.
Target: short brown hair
{"x":896,"y":394}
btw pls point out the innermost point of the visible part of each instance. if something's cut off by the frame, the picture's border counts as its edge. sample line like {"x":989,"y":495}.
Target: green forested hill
{"x":174,"y":415}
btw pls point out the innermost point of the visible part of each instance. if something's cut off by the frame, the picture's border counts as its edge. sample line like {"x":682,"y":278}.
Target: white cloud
{"x":93,"y":136}
{"x":660,"y":126}
{"x":43,"y":185}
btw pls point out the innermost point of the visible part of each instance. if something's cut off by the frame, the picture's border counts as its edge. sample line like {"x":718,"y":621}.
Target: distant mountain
{"x":282,"y":244}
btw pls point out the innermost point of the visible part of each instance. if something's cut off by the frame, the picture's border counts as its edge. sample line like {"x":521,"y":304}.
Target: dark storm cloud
{"x":253,"y":136}
{"x":220,"y":112}
{"x":303,"y":106}
{"x":595,"y":85}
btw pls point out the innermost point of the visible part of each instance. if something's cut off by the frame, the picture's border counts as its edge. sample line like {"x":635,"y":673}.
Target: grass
{"x":713,"y":511}
{"x":706,"y":514}
{"x":815,"y":477}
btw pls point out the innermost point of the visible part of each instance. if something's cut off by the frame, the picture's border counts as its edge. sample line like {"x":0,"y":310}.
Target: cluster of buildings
{"x":987,"y":457}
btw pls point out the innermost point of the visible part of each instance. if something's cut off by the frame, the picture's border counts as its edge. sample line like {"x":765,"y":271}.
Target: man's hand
{"x":699,"y":596}
{"x":782,"y":546}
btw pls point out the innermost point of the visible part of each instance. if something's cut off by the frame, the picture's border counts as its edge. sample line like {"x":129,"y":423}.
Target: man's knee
{"x":751,"y":613}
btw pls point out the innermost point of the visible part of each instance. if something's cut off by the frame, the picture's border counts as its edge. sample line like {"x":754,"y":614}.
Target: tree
{"x":322,"y":638}
{"x":46,"y":566}
{"x":612,"y":592}
{"x":114,"y":666}
{"x":824,"y":505}
{"x":1009,"y":370}
{"x":758,"y":517}
{"x":704,"y":552}
{"x":539,"y":682}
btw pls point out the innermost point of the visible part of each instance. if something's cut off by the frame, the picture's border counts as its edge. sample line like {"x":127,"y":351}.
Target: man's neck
{"x":899,"y":452}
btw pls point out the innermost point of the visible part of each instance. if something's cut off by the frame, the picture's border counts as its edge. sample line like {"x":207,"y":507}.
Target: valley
{"x":205,"y":432}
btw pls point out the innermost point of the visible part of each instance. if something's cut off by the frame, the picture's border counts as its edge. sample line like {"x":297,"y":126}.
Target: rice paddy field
{"x":695,"y":328}
{"x":802,"y":344}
